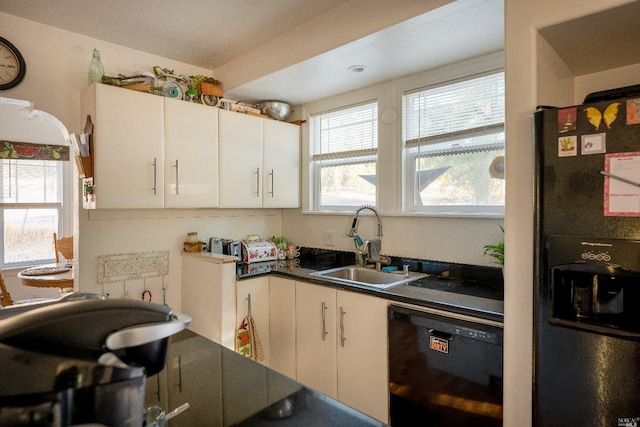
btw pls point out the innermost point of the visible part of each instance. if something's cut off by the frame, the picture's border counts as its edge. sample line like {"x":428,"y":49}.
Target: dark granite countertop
{"x":225,"y":388}
{"x":459,"y":288}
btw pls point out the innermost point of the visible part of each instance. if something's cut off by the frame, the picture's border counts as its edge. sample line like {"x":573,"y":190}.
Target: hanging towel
{"x":248,"y":341}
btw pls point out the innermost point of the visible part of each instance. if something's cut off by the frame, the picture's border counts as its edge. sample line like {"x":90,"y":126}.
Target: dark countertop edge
{"x":315,"y":259}
{"x":389,"y":294}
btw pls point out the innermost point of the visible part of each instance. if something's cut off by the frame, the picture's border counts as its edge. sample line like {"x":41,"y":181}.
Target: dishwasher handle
{"x":439,"y":334}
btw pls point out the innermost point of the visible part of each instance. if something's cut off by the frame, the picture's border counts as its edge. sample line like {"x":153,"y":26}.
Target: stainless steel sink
{"x":354,"y":275}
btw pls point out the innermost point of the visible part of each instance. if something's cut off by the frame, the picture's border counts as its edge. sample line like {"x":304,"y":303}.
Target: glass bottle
{"x":96,"y":70}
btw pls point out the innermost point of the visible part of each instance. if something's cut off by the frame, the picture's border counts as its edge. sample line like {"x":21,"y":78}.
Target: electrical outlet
{"x":329,"y":238}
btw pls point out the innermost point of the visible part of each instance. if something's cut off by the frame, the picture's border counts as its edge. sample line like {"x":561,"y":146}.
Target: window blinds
{"x":345,"y":133}
{"x":462,"y":117}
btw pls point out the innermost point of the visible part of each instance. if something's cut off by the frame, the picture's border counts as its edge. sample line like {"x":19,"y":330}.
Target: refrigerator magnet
{"x":633,"y":111}
{"x":567,"y":119}
{"x":593,"y":144}
{"x":608,"y":116}
{"x":567,"y":146}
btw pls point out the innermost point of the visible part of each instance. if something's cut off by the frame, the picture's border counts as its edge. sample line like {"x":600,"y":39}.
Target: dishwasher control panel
{"x":477,"y":334}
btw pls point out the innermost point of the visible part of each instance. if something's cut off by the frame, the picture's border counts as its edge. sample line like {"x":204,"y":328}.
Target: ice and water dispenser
{"x":594,"y":284}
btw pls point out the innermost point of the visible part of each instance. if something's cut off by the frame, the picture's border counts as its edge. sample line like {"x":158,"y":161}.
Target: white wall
{"x":530,"y":80}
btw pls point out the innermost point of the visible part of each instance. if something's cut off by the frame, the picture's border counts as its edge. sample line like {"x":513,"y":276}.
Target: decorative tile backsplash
{"x":122,"y":267}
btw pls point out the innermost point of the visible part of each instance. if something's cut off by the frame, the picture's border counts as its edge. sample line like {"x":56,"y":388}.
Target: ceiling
{"x":292,"y":50}
{"x":611,"y":37}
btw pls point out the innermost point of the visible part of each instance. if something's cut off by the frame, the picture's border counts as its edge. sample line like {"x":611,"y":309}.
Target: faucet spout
{"x":354,"y":224}
{"x":368,"y":251}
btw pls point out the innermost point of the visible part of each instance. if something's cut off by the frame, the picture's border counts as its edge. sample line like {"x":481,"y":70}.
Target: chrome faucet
{"x":370,"y":250}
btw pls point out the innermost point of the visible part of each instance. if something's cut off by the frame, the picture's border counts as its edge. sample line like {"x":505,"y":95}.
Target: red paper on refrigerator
{"x":622,"y":184}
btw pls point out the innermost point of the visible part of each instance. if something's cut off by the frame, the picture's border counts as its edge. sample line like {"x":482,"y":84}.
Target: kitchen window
{"x":343,"y":157}
{"x":32,"y":210}
{"x":453,"y":138}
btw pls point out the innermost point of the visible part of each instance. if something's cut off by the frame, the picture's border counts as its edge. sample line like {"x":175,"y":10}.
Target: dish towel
{"x":248,"y":341}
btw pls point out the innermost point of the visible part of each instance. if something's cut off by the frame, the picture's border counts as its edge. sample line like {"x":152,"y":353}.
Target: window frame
{"x":314,"y":167}
{"x":391,"y":167}
{"x":65,"y":212}
{"x":410,"y":158}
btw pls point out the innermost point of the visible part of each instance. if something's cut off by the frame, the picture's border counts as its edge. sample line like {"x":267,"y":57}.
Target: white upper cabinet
{"x":240,"y":160}
{"x":156,"y":152}
{"x":128,"y":146}
{"x":191,"y":155}
{"x":150,"y":151}
{"x":281,"y":163}
{"x":259,"y":162}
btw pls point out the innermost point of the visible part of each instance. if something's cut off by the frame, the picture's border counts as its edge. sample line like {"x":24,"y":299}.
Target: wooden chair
{"x":5,"y":296}
{"x":63,"y":245}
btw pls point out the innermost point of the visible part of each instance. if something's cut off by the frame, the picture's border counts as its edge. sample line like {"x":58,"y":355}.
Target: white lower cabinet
{"x":341,"y":347}
{"x":255,"y":293}
{"x":273,"y":312}
{"x":316,"y":338}
{"x":282,"y":326}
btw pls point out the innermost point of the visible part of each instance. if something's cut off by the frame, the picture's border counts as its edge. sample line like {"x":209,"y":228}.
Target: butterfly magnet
{"x":609,"y":115}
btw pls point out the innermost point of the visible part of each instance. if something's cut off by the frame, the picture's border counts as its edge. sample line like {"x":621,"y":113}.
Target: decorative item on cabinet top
{"x":166,"y":82}
{"x":82,"y":146}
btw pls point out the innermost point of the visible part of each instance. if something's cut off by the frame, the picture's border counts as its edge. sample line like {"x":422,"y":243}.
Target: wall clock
{"x":12,"y":65}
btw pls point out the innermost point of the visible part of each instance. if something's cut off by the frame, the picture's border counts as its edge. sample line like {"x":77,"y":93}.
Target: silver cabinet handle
{"x":257,"y":182}
{"x":271,"y":175}
{"x":155,"y":175}
{"x":177,"y":178}
{"x":324,"y":324}
{"x":342,"y":337}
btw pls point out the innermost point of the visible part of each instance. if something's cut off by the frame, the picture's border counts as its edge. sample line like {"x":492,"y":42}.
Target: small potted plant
{"x":496,"y":251}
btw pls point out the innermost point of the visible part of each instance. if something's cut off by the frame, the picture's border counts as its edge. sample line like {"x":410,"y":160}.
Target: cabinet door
{"x":191,"y":155}
{"x":281,"y":163}
{"x":253,"y":298}
{"x":362,"y":353}
{"x":316,"y":364}
{"x":240,"y":160}
{"x":282,"y":325}
{"x":128,"y":146}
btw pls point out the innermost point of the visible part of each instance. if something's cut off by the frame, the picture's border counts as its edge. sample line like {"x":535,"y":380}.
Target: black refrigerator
{"x":587,"y":262}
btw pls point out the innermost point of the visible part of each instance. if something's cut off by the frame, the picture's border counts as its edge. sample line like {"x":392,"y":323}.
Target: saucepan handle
{"x":144,"y":334}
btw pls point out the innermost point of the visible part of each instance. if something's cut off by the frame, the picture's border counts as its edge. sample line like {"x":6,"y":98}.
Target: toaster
{"x":232,"y":247}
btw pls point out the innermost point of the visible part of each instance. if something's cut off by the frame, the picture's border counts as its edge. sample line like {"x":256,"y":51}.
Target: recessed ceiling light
{"x":357,"y":68}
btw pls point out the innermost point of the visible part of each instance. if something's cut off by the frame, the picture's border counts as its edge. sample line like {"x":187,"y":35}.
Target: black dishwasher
{"x":445,"y":369}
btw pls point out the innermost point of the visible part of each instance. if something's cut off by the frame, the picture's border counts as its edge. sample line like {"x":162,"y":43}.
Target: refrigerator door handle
{"x":621,"y":179}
